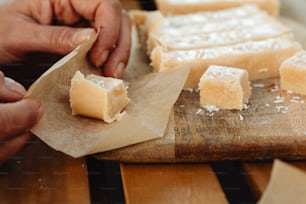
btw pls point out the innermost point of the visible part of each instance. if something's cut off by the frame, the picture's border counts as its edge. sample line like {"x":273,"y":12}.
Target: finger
{"x":117,"y":61}
{"x":33,"y":10}
{"x":64,"y":12}
{"x":46,"y":11}
{"x":54,"y":39}
{"x":106,"y":17}
{"x":11,"y":147}
{"x":19,"y":116}
{"x":10,"y":90}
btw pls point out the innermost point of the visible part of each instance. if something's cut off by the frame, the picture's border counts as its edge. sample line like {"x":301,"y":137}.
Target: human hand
{"x":17,"y":116}
{"x":50,"y":26}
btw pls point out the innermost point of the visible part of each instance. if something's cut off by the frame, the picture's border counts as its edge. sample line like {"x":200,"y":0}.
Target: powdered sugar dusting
{"x":200,"y":111}
{"x":190,"y":90}
{"x":258,"y":85}
{"x":275,"y":88}
{"x":241,"y":118}
{"x":245,"y":106}
{"x":279,"y":99}
{"x":211,"y":108}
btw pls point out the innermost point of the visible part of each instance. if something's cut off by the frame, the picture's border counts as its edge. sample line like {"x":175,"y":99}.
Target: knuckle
{"x":16,"y":118}
{"x":61,"y":38}
{"x":115,"y":4}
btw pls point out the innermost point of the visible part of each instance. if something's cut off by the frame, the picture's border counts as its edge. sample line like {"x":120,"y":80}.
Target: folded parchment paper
{"x":152,"y":97}
{"x":287,"y":185}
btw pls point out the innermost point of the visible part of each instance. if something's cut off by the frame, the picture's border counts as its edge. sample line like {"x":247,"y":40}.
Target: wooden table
{"x":39,"y":174}
{"x":192,"y":183}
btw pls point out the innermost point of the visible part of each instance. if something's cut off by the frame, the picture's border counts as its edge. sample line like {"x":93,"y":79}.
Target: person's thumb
{"x":57,"y":39}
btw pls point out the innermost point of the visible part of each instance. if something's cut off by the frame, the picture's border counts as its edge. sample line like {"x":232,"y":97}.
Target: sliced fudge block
{"x":98,"y":97}
{"x":224,"y":87}
{"x":188,"y":6}
{"x":293,"y":73}
{"x":261,"y":59}
{"x":239,"y":34}
{"x":155,"y":24}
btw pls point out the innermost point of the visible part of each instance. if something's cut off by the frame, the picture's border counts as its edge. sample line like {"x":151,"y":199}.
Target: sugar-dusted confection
{"x":260,"y":58}
{"x":146,"y":22}
{"x":203,"y":17}
{"x":172,"y":7}
{"x":224,"y":87}
{"x":212,"y":39}
{"x":98,"y":97}
{"x":155,"y":24}
{"x":293,"y":73}
{"x":211,"y":26}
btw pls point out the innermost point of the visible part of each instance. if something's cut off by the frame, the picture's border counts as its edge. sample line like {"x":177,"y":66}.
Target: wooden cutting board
{"x":272,"y":126}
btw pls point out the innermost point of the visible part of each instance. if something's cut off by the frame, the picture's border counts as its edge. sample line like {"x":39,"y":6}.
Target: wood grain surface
{"x":39,"y":174}
{"x":171,"y":184}
{"x":258,"y":174}
{"x":271,"y":126}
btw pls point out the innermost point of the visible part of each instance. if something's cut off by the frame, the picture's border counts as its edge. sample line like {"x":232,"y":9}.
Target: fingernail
{"x":14,"y":86}
{"x":102,"y":58}
{"x":119,"y":70}
{"x":82,"y":35}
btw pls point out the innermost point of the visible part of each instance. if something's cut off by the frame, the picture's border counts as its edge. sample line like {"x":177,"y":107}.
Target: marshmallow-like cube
{"x":225,"y":87}
{"x":98,"y":97}
{"x":293,"y":73}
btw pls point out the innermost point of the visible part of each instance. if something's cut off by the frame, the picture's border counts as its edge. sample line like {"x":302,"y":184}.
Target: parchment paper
{"x":287,"y":185}
{"x":152,"y":97}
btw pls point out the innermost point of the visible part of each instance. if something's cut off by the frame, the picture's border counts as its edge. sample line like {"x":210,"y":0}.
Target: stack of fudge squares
{"x":225,"y":49}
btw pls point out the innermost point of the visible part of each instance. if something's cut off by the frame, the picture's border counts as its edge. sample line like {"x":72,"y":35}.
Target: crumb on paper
{"x":119,"y":116}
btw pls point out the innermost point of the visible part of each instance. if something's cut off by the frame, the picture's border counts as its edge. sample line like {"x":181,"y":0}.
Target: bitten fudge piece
{"x":224,"y":87}
{"x":293,"y":73}
{"x":98,"y":97}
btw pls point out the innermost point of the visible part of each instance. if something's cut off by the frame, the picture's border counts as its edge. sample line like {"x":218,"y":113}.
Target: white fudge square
{"x":293,"y":73}
{"x":225,"y":87}
{"x":98,"y":97}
